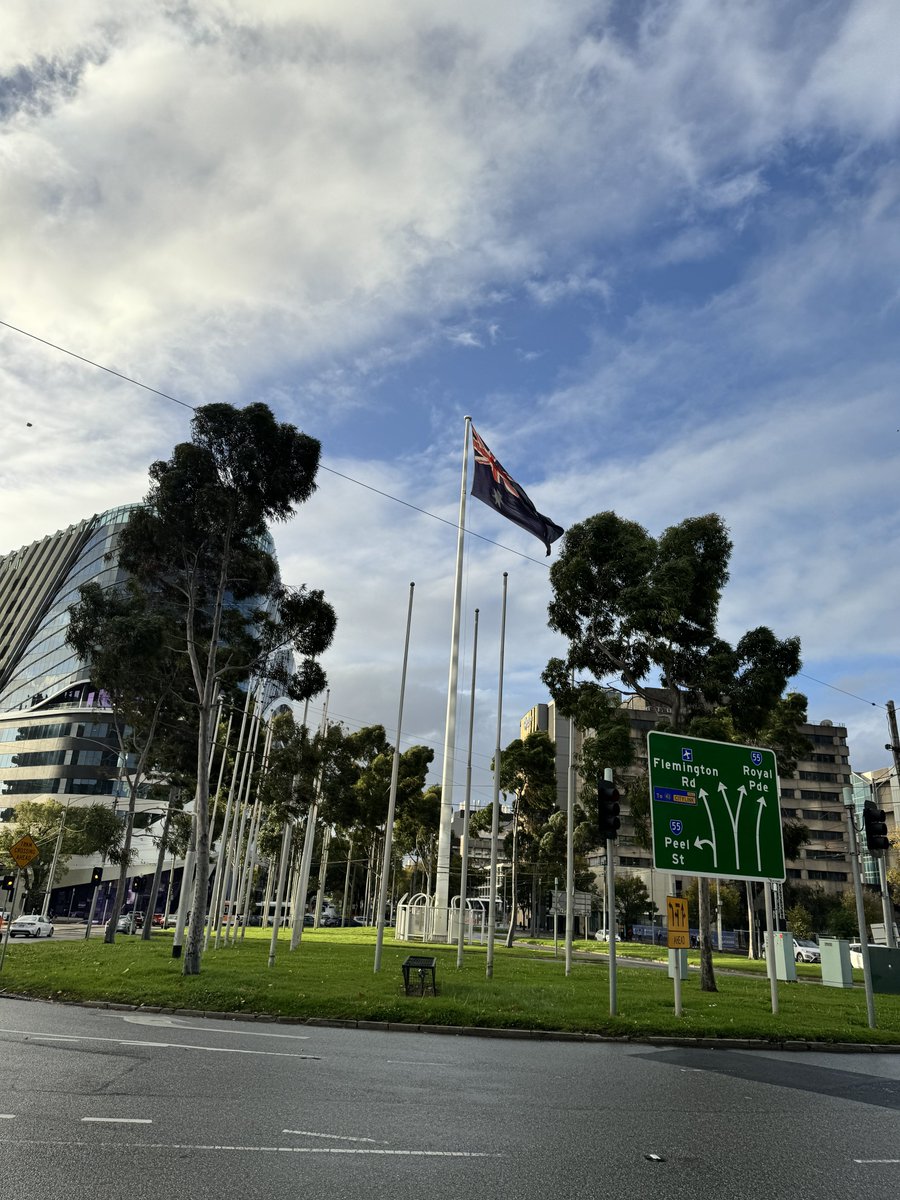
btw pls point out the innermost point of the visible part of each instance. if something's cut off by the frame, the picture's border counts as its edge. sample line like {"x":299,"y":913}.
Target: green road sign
{"x":714,"y":808}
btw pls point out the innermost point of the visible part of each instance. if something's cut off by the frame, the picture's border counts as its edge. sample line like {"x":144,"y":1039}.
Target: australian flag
{"x":497,"y":488}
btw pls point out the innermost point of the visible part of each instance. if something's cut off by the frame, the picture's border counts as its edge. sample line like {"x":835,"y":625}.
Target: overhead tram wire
{"x":350,"y":479}
{"x":193,"y":407}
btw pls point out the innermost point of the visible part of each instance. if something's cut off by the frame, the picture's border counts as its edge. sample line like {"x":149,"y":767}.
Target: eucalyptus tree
{"x":200,"y":545}
{"x":128,"y":645}
{"x":528,"y":773}
{"x":638,"y":610}
{"x":88,"y":829}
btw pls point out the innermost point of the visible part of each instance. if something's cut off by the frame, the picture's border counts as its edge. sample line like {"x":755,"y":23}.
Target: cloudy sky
{"x":653,"y":248}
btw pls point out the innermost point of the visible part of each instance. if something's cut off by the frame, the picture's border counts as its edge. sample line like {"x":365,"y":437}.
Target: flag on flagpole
{"x":496,"y":487}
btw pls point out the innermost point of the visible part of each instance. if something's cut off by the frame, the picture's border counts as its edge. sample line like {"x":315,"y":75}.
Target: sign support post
{"x":611,"y":911}
{"x":678,"y":937}
{"x":770,"y":946}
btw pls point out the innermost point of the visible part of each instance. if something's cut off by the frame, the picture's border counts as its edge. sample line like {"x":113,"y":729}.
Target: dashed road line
{"x":345,"y":1150}
{"x":118,"y":1120}
{"x":338,"y":1137}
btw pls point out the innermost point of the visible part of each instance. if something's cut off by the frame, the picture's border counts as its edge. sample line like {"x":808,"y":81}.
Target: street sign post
{"x":714,"y":808}
{"x":24,"y":850}
{"x":679,"y":936}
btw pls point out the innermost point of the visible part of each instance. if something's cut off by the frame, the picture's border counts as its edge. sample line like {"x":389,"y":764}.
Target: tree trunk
{"x":707,"y":975}
{"x":119,"y":897}
{"x":191,"y":961}
{"x":157,"y":875}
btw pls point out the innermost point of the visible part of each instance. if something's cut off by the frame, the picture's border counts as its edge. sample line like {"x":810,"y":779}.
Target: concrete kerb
{"x":548,"y":1035}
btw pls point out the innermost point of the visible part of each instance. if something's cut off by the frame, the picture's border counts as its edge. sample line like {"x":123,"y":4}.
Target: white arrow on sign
{"x":734,"y":817}
{"x":759,"y":812}
{"x":712,"y":829}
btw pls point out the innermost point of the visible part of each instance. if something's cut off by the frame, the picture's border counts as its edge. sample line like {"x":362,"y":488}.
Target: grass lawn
{"x":331,"y":975}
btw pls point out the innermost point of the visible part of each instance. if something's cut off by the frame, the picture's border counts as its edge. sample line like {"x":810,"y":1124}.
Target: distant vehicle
{"x":31,"y":927}
{"x":856,"y":953}
{"x":806,"y":951}
{"x":129,"y":923}
{"x":602,"y":936}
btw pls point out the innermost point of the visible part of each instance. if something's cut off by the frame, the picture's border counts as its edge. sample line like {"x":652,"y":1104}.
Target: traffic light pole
{"x":611,"y":910}
{"x":12,"y":910}
{"x":887,"y":907}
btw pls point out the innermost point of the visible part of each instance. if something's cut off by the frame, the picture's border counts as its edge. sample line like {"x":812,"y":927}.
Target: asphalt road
{"x":97,"y":1103}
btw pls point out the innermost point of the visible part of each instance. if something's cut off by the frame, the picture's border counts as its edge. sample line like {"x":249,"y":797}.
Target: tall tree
{"x":636,"y":609}
{"x":200,"y":543}
{"x":128,"y":647}
{"x":89,"y":829}
{"x":528,"y":773}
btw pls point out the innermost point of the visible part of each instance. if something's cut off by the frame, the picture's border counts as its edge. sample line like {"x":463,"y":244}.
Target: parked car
{"x":31,"y":926}
{"x":806,"y":950}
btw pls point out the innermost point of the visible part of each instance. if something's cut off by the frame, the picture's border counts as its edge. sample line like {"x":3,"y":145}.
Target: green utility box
{"x":885,"y":966}
{"x":837,"y":970}
{"x":785,"y":969}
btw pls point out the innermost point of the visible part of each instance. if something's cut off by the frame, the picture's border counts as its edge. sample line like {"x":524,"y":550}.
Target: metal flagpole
{"x":392,"y":801}
{"x":309,"y":837}
{"x":464,"y":840}
{"x":611,"y":911}
{"x":570,"y":842}
{"x":495,"y":821}
{"x":442,"y":873}
{"x":279,"y":891}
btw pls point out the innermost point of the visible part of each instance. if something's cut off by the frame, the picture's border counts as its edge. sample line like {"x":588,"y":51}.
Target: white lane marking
{"x":876,"y":1160}
{"x":30,"y":1035}
{"x":119,"y":1120}
{"x":7,"y":1116}
{"x":412,"y":1062}
{"x":338,"y":1137}
{"x":252,"y":1149}
{"x":294,"y":1037}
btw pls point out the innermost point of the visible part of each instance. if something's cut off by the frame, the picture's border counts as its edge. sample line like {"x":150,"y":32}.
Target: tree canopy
{"x":641,"y":612}
{"x":200,"y":546}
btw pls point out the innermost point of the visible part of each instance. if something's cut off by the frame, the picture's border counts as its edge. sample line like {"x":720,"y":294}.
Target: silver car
{"x":31,"y":927}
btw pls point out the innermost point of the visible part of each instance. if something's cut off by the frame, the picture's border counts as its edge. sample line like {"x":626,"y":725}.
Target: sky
{"x":651,"y":248}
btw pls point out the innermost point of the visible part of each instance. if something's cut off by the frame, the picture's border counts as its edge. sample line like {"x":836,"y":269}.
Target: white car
{"x":31,"y":927}
{"x":806,"y":950}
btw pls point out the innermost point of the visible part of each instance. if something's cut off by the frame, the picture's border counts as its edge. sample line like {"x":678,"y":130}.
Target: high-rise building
{"x":811,"y":795}
{"x":56,"y":734}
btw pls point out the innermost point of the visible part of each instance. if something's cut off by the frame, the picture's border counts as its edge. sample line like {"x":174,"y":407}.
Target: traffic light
{"x":875,"y":826}
{"x":608,"y":810}
{"x":96,"y":876}
{"x":9,"y":882}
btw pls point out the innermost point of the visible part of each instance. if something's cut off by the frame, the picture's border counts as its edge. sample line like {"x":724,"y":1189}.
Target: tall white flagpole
{"x":464,"y":841}
{"x":392,"y":802}
{"x":570,"y":841}
{"x":442,"y":873}
{"x":495,"y":820}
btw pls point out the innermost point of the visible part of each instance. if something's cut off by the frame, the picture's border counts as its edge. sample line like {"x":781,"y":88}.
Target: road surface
{"x":98,"y":1103}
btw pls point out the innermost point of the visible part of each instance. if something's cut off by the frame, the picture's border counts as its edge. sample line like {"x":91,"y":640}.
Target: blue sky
{"x":652,"y":248}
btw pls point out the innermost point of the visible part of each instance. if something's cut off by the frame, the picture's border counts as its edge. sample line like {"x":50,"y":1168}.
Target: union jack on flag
{"x":495,"y":486}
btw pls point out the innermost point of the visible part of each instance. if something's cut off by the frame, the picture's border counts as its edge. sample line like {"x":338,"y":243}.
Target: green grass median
{"x":331,"y":976}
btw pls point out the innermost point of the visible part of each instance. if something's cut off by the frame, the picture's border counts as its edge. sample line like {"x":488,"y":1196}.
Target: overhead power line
{"x":350,"y":479}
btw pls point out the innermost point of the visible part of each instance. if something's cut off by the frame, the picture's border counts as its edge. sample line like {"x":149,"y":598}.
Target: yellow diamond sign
{"x":24,"y":850}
